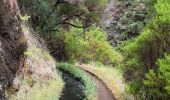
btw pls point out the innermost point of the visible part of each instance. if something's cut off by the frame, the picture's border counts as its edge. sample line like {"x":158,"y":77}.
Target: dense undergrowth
{"x":92,"y":46}
{"x":142,"y":56}
{"x":131,"y":16}
{"x":89,"y":85}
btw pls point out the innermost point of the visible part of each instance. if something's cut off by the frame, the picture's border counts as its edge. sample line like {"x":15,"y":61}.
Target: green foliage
{"x":49,"y":15}
{"x":92,"y":46}
{"x":50,"y":89}
{"x":154,"y":40}
{"x":164,"y":71}
{"x":50,"y":19}
{"x":105,"y":70}
{"x":159,"y":82}
{"x":39,"y":13}
{"x":154,"y":85}
{"x":132,"y":16}
{"x":133,"y":87}
{"x":34,"y":51}
{"x":90,"y":88}
{"x":143,"y":52}
{"x":25,"y":18}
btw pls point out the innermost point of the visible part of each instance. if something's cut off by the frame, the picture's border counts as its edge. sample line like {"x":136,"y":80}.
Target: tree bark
{"x":12,"y":42}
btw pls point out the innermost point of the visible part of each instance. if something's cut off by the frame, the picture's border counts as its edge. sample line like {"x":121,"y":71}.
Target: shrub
{"x":144,"y":51}
{"x":92,"y":46}
{"x":157,"y":83}
{"x":164,"y":72}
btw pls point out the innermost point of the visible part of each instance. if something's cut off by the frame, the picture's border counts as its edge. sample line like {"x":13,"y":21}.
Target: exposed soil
{"x":102,"y":91}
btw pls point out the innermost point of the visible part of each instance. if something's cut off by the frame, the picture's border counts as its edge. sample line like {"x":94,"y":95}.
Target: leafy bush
{"x":159,"y":82}
{"x":164,"y":71}
{"x":144,"y":51}
{"x":92,"y":46}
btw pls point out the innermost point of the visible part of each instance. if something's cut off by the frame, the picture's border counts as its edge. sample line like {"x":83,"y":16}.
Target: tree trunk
{"x":12,"y":42}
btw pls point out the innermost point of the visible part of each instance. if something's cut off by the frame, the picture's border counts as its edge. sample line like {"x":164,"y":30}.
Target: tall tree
{"x":47,"y":15}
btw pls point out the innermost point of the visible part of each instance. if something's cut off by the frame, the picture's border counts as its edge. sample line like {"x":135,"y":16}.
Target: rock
{"x":12,"y":45}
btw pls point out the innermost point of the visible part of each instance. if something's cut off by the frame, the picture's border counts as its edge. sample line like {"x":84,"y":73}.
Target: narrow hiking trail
{"x":102,"y":91}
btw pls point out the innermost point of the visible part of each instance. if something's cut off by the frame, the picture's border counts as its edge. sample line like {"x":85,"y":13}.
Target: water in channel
{"x":73,"y":89}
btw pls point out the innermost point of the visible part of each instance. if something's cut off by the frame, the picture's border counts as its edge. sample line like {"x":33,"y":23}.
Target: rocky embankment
{"x":26,"y":67}
{"x":12,"y":44}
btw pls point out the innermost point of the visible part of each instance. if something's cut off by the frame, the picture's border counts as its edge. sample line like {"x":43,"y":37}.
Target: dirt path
{"x":102,"y":92}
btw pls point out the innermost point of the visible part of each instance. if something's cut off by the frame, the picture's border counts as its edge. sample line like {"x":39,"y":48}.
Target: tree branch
{"x":53,"y":30}
{"x":79,"y":16}
{"x":60,"y":2}
{"x":67,"y":19}
{"x":76,"y":25}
